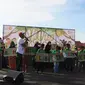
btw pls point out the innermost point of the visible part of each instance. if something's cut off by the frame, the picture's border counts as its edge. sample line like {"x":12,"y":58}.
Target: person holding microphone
{"x":21,"y":44}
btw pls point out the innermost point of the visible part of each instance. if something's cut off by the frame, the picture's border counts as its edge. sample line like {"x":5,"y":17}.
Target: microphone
{"x":26,"y":38}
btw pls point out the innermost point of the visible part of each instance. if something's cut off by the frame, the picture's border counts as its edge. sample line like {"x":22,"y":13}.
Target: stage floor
{"x":49,"y":78}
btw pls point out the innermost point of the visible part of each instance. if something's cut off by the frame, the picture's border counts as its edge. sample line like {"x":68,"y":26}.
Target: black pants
{"x":33,"y":62}
{"x":19,"y":62}
{"x":82,"y":65}
{"x":61,"y":66}
{"x":69,"y":64}
{"x":40,"y":66}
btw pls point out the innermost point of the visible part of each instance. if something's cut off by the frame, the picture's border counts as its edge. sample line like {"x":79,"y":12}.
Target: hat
{"x":21,"y":33}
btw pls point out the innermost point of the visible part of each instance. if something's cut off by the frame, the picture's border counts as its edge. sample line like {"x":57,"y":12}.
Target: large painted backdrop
{"x":40,"y":34}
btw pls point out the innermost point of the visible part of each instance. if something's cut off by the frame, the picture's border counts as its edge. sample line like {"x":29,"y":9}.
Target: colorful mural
{"x":40,"y":34}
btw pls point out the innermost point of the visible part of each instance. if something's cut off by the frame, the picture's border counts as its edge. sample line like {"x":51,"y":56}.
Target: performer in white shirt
{"x":21,"y":44}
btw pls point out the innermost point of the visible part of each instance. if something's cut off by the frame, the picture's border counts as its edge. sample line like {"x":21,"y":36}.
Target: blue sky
{"x":68,"y":14}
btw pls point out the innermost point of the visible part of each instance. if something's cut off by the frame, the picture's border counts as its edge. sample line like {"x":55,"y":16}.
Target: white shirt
{"x":20,"y":48}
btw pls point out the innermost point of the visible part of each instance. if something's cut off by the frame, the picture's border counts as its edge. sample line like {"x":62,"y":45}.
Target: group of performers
{"x":69,"y":61}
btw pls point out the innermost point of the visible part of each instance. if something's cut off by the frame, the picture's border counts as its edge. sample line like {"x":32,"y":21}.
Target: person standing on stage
{"x":69,"y":62}
{"x":40,"y":65}
{"x":1,"y":52}
{"x":81,"y":57}
{"x":21,"y":44}
{"x":48,"y":47}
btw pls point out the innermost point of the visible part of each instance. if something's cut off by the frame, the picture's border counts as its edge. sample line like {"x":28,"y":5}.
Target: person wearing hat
{"x":21,"y":44}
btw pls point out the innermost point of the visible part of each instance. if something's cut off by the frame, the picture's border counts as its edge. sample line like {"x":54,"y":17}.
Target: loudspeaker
{"x":16,"y":77}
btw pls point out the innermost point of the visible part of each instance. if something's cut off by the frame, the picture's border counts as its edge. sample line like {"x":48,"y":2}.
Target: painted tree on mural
{"x":33,"y":34}
{"x":68,"y":34}
{"x":40,"y":34}
{"x":48,"y":34}
{"x":13,"y":31}
{"x":62,"y":32}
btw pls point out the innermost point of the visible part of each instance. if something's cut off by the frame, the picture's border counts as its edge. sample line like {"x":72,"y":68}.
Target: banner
{"x":10,"y":52}
{"x":39,"y":34}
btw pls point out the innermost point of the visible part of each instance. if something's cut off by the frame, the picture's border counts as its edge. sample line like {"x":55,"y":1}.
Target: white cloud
{"x":50,"y":2}
{"x":26,"y":12}
{"x":24,"y":19}
{"x":34,"y":10}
